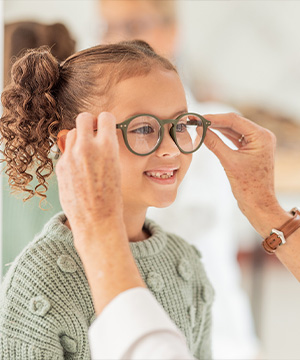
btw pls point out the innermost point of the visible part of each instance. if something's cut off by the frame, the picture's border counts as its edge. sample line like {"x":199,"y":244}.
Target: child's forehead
{"x":160,"y":93}
{"x":157,"y":79}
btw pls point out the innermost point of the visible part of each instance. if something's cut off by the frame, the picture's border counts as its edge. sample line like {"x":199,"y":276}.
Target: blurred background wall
{"x":242,"y":53}
{"x":245,"y":51}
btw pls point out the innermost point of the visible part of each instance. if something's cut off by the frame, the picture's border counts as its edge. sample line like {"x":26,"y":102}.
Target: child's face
{"x":159,"y":93}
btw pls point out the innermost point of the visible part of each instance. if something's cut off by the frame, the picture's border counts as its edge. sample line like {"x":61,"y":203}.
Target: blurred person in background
{"x":233,"y":330}
{"x":23,"y":35}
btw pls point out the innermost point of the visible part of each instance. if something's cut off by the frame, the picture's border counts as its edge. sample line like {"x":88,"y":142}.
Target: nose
{"x":168,"y":146}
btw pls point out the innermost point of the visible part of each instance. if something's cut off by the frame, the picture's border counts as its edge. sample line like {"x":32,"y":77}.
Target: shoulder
{"x":176,"y":247}
{"x":44,"y":288}
{"x":184,"y":246}
{"x":172,"y":241}
{"x":46,"y":255}
{"x":189,"y":260}
{"x":190,"y":267}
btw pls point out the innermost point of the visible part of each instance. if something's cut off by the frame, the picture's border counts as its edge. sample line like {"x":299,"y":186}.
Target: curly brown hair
{"x":45,"y":97}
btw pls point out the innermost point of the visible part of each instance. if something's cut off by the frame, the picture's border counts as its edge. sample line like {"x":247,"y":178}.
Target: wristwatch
{"x":278,"y":236}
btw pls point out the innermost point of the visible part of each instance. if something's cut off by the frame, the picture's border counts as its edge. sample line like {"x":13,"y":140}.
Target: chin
{"x":164,"y":201}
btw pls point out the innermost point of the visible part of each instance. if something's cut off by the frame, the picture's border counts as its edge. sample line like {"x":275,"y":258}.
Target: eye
{"x":143,"y":130}
{"x":180,"y":127}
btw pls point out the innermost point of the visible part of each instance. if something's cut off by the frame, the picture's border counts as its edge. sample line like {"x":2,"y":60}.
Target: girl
{"x":46,"y":306}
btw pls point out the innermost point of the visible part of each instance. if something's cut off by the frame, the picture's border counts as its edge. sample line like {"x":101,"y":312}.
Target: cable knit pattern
{"x":46,"y":306}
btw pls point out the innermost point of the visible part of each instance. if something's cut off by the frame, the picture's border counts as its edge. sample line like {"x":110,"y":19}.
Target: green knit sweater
{"x":46,"y":306}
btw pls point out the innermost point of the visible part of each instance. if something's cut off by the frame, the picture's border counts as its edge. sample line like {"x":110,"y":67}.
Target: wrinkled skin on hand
{"x":89,"y":181}
{"x":250,"y":167}
{"x":88,"y":172}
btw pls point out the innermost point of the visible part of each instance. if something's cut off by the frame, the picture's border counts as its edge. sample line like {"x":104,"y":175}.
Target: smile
{"x":160,"y":175}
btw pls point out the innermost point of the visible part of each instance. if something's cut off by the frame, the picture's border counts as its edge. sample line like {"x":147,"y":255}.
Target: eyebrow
{"x":180,"y":112}
{"x":172,"y":117}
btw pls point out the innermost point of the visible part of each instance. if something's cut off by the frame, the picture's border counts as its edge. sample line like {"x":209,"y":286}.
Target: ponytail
{"x":30,"y":121}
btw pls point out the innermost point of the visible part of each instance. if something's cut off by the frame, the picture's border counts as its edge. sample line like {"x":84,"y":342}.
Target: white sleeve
{"x":135,"y":326}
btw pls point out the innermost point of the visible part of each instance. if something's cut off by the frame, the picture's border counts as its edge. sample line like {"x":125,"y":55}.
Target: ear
{"x":61,"y":139}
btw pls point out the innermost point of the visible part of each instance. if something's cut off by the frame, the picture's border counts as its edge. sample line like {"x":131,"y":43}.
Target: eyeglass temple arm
{"x":199,"y":123}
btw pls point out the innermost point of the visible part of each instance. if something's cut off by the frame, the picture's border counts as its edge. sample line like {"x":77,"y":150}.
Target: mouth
{"x":163,"y":176}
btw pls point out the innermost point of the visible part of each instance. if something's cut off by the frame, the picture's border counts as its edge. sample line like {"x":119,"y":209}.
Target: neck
{"x":134,"y":221}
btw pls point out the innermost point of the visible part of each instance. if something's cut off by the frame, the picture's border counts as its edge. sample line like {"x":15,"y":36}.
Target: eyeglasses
{"x":143,"y":133}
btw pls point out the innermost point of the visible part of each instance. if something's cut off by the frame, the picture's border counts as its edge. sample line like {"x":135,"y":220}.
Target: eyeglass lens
{"x":144,"y":132}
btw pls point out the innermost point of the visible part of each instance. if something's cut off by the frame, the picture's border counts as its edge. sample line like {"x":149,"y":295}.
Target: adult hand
{"x":249,"y":168}
{"x":88,"y":172}
{"x":89,"y":181}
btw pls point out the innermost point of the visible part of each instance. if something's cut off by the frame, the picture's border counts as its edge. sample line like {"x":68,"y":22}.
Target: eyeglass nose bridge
{"x":168,"y":121}
{"x":171,"y":131}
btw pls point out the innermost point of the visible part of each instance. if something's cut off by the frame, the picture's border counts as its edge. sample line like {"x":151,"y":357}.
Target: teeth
{"x":165,"y":175}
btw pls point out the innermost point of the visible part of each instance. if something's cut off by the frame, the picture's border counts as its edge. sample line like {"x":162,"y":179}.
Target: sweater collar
{"x":55,"y":229}
{"x":151,"y":246}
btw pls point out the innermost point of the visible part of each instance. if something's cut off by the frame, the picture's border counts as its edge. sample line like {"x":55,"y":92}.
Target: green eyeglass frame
{"x":124,"y":126}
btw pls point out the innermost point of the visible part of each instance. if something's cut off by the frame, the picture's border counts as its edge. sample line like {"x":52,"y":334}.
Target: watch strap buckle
{"x":278,"y":237}
{"x":280,"y":234}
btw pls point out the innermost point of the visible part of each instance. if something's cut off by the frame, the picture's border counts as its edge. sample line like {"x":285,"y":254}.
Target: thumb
{"x":217,"y":146}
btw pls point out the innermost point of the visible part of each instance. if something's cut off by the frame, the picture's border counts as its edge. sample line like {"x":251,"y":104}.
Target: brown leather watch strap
{"x":279,"y":236}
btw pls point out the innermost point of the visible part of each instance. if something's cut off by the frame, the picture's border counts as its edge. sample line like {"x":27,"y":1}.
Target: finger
{"x":70,"y":139}
{"x":85,"y":125}
{"x":218,"y":147}
{"x":106,"y":126}
{"x":232,"y":121}
{"x":108,"y":139}
{"x":237,"y":139}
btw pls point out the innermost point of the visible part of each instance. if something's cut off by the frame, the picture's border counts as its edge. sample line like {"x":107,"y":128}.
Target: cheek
{"x":131,"y":165}
{"x":186,"y":162}
{"x":122,"y":146}
{"x":125,"y":159}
